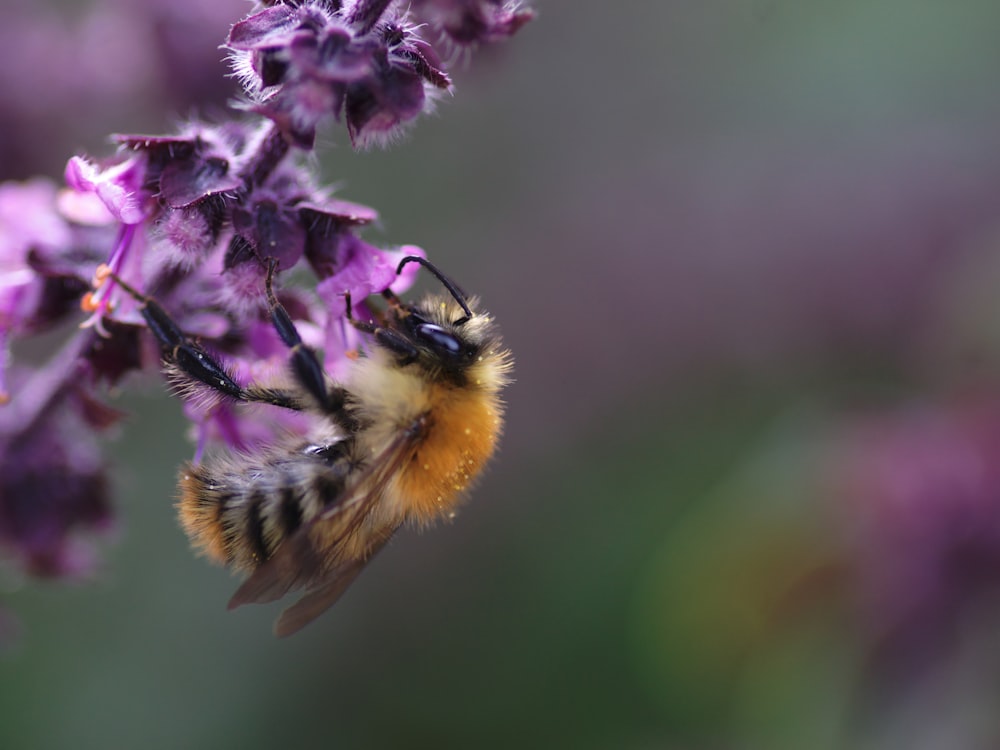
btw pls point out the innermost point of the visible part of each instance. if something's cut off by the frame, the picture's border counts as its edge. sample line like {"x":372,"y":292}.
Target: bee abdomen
{"x":289,"y":510}
{"x":255,"y":518}
{"x":240,"y":518}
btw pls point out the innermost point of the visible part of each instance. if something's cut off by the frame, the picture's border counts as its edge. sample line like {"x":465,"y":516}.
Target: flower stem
{"x":4,"y":357}
{"x":47,"y":389}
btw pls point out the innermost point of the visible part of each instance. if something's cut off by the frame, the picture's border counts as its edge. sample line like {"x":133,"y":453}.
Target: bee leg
{"x":188,"y":359}
{"x":383,"y":336}
{"x":390,"y":296}
{"x":306,"y":367}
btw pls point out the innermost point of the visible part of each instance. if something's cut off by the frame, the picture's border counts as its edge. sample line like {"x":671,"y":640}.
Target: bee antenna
{"x":450,"y":285}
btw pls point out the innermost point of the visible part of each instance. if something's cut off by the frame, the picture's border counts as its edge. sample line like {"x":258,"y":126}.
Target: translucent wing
{"x":321,"y":597}
{"x":309,"y":560}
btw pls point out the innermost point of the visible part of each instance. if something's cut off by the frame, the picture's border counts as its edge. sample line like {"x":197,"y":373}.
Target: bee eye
{"x":439,"y":338}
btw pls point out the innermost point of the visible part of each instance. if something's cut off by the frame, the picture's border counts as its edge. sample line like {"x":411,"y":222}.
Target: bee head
{"x":440,"y":333}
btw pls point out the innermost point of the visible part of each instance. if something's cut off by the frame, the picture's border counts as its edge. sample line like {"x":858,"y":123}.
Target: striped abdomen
{"x":238,"y":511}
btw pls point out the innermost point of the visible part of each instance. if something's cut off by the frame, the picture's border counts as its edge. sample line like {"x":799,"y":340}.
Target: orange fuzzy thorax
{"x":465,"y":426}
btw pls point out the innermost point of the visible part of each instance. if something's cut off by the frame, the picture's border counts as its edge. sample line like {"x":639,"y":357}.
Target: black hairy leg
{"x":192,"y":365}
{"x":387,"y":337}
{"x":306,"y":367}
{"x":305,"y":364}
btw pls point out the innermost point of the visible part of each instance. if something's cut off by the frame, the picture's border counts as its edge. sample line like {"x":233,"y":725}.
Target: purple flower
{"x":45,"y":263}
{"x":54,"y":492}
{"x":119,"y":186}
{"x":199,"y":216}
{"x":30,"y":225}
{"x":923,"y":494}
{"x":361,"y":60}
{"x":472,"y":21}
{"x":196,"y":220}
{"x":27,"y":220}
{"x":105,"y":61}
{"x":54,"y":488}
{"x":364,"y":270}
{"x":208,"y":208}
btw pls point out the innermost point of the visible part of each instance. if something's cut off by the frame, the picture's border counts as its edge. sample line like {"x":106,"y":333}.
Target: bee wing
{"x":299,"y":562}
{"x":324,"y":595}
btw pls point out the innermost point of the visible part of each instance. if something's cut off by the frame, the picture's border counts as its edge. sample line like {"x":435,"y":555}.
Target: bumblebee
{"x":399,"y":441}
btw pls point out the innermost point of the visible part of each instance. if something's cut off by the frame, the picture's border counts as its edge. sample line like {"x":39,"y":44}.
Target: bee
{"x":399,"y":441}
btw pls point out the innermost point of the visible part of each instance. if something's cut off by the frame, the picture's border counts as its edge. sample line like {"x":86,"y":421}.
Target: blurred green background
{"x":721,"y":238}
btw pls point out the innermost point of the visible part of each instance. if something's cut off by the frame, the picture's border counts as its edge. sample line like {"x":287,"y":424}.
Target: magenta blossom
{"x":923,"y":493}
{"x":166,"y":245}
{"x":46,"y":260}
{"x":54,"y":493}
{"x":472,"y":21}
{"x":361,"y":60}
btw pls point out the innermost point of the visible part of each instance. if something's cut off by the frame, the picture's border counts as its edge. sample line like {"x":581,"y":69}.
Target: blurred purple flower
{"x":472,"y":21}
{"x":45,"y":263}
{"x":106,"y":62}
{"x":54,"y":489}
{"x":923,"y":487}
{"x":26,"y":220}
{"x":55,"y":485}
